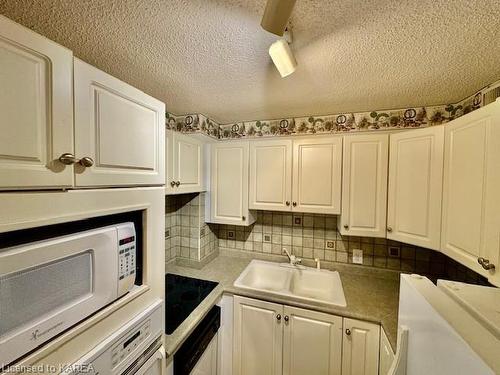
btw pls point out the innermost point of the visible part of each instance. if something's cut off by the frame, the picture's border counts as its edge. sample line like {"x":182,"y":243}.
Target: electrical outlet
{"x":394,"y":251}
{"x":230,"y":234}
{"x":330,"y":245}
{"x":357,"y":256}
{"x":267,"y":238}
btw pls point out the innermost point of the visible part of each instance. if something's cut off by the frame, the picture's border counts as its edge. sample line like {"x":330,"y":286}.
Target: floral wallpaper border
{"x":416,"y":117}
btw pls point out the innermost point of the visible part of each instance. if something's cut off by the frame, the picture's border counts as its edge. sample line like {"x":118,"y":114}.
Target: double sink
{"x":297,"y":282}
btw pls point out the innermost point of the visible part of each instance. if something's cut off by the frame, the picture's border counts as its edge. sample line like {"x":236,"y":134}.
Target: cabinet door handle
{"x":389,"y":229}
{"x":86,"y":161}
{"x":348,"y":332}
{"x":172,"y":183}
{"x":346,"y":227}
{"x":278,"y":317}
{"x":177,"y":183}
{"x":287,"y":203}
{"x":67,"y":159}
{"x":485,"y":263}
{"x":294,"y":204}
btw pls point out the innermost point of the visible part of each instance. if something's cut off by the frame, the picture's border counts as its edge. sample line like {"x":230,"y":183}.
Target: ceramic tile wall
{"x":315,"y":236}
{"x":187,"y":235}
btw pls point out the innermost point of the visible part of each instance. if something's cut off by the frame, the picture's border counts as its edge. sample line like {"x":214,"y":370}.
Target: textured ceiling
{"x":210,"y":56}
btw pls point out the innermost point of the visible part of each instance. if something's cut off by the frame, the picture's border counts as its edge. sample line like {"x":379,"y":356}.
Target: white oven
{"x":48,"y":286}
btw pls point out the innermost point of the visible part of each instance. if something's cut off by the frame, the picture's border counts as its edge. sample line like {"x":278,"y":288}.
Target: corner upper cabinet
{"x":119,"y":132}
{"x":471,"y":191}
{"x":271,"y":175}
{"x":36,"y":110}
{"x":415,"y":187}
{"x":317,"y":175}
{"x":360,"y":348}
{"x":184,"y":164}
{"x":364,"y":185}
{"x":227,"y":201}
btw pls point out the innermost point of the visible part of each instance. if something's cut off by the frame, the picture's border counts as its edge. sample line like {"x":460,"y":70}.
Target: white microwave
{"x":48,"y":286}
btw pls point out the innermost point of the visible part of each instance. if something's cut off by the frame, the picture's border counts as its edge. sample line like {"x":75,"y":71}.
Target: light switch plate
{"x":357,"y":256}
{"x":330,"y":245}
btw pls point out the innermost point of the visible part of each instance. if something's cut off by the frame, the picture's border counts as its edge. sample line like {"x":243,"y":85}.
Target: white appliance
{"x":443,"y":330}
{"x":136,"y":348}
{"x":48,"y":286}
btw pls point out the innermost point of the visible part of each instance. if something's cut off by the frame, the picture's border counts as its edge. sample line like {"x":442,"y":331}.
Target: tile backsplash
{"x":315,"y":236}
{"x":187,"y":236}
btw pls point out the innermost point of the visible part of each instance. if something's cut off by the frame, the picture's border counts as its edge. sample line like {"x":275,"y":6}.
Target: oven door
{"x":48,"y":286}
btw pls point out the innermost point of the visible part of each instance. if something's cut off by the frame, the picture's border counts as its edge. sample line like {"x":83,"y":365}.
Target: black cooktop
{"x":182,"y":295}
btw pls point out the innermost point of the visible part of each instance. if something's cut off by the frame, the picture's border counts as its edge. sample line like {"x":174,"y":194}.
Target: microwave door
{"x":48,"y":286}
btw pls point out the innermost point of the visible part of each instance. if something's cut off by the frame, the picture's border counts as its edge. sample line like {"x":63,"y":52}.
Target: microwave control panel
{"x":127,"y":246}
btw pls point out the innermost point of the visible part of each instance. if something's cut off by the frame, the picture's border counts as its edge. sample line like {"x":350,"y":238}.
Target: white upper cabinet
{"x":317,"y":175}
{"x":471,"y":191}
{"x":36,"y":110}
{"x":184,"y":165}
{"x":360,"y":348}
{"x":258,"y":337}
{"x":303,"y":175}
{"x":364,"y":185}
{"x":228,"y":197}
{"x":415,"y":187}
{"x":119,"y":132}
{"x":312,"y":343}
{"x":271,"y":175}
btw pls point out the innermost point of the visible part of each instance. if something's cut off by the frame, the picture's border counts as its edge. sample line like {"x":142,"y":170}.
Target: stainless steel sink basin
{"x":297,"y":282}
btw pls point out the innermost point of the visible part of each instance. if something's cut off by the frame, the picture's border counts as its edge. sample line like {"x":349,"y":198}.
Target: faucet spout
{"x":293,"y":259}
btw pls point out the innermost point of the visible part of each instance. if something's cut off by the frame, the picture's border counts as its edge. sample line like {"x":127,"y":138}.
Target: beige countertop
{"x":371,"y":294}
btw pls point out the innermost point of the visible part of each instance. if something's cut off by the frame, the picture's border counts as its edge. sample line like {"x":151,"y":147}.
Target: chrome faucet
{"x":293,"y":259}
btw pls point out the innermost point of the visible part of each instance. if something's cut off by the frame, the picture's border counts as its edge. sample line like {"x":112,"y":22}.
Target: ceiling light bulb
{"x":282,"y":57}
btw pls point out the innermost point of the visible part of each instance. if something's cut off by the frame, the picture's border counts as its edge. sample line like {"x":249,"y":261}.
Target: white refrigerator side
{"x":434,"y":345}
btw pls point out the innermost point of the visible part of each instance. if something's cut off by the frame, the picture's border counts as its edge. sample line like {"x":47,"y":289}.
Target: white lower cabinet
{"x":360,"y":348}
{"x":312,"y":342}
{"x":258,"y":337}
{"x":274,"y":339}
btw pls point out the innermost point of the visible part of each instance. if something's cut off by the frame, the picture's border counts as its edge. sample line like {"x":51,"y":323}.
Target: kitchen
{"x":174,"y":199}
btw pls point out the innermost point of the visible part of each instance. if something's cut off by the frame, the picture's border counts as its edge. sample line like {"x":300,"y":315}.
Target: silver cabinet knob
{"x":172,"y":183}
{"x":348,"y":332}
{"x":86,"y":161}
{"x":389,"y":229}
{"x":68,"y":158}
{"x":485,"y":263}
{"x":278,"y":317}
{"x":286,"y":318}
{"x":287,"y":203}
{"x":346,"y":227}
{"x":177,"y":183}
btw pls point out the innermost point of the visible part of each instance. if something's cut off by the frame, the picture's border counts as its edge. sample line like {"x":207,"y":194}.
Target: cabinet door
{"x":36,"y":109}
{"x":229,"y":184}
{"x":415,"y":187}
{"x":271,"y":175}
{"x":360,"y":348}
{"x":317,"y":175}
{"x":169,"y":162}
{"x":187,"y":163}
{"x":364,"y":185}
{"x":471,"y":198}
{"x":121,"y":130}
{"x":386,"y":354}
{"x":312,"y":343}
{"x":258,"y":337}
